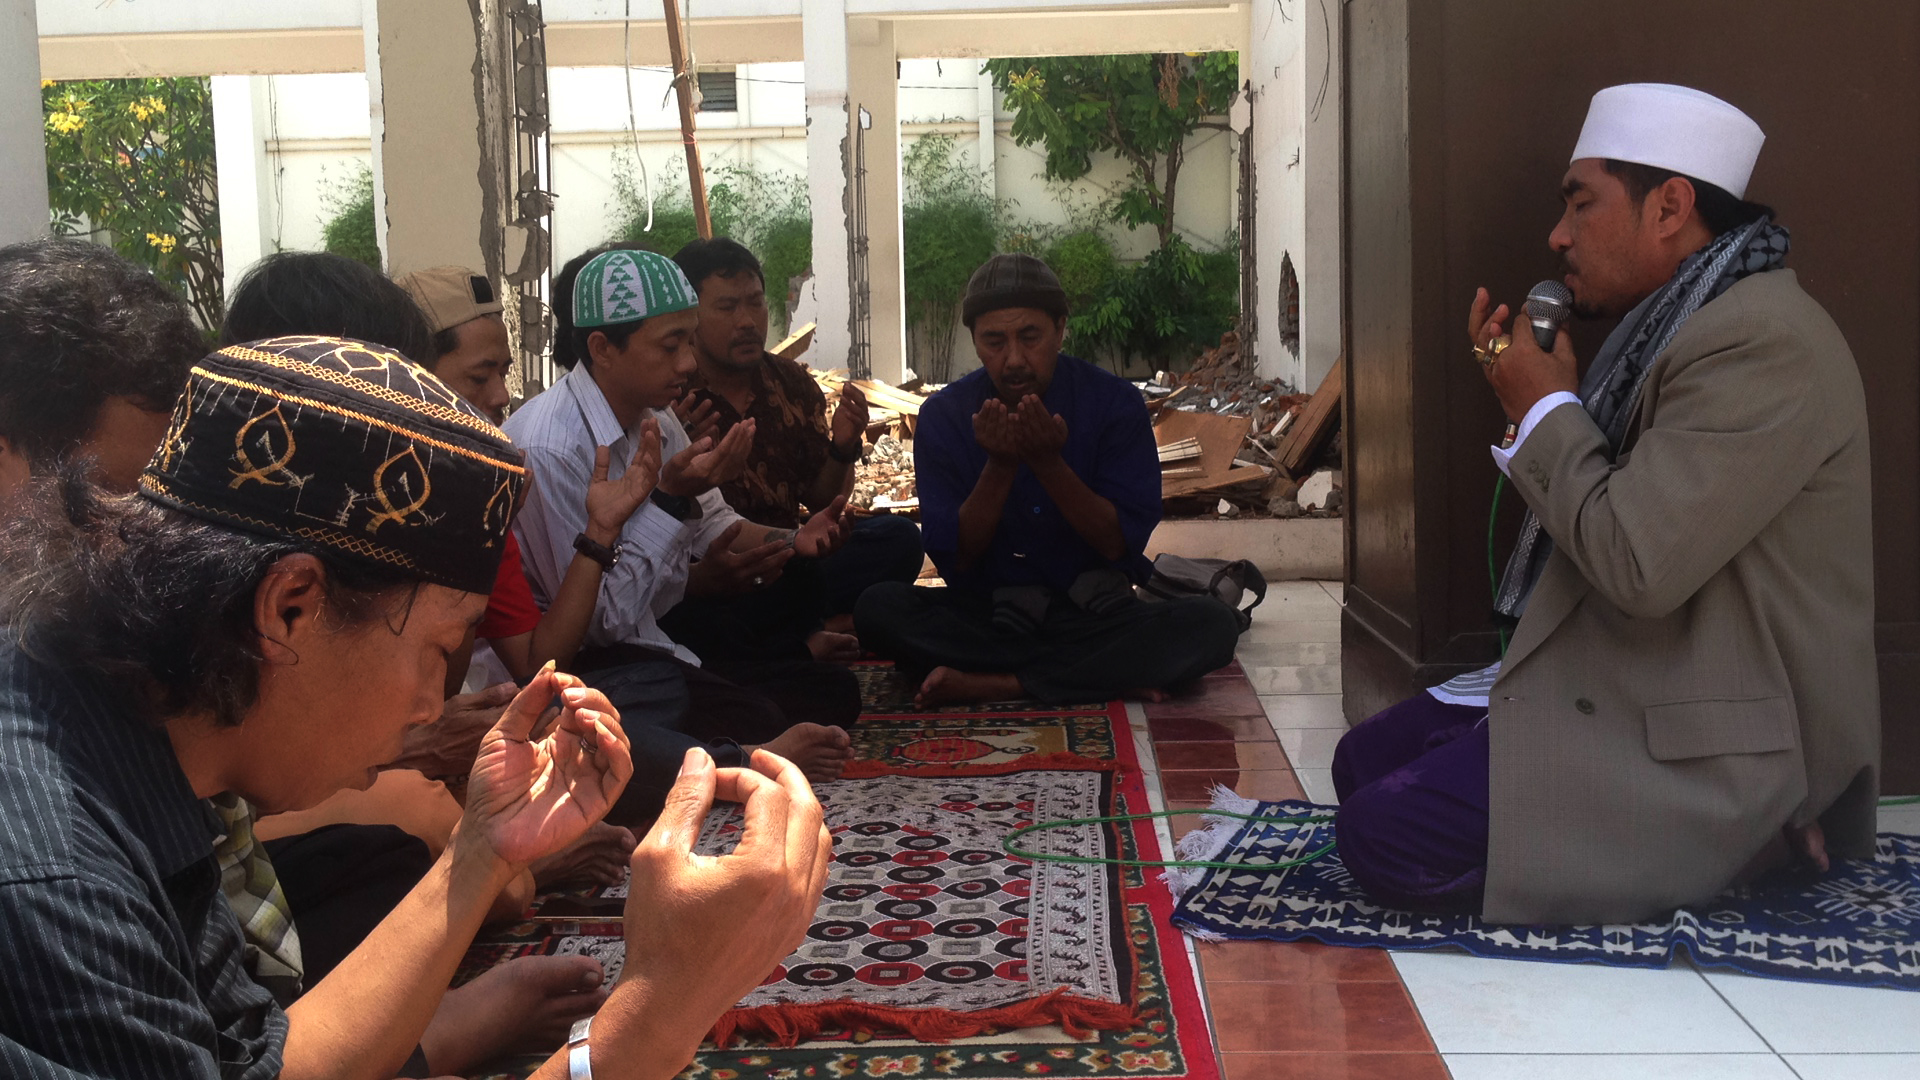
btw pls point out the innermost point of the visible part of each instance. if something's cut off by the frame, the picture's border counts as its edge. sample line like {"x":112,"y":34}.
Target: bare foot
{"x":829,"y":647}
{"x":821,"y":752}
{"x":949,"y":686}
{"x":840,"y":624}
{"x":523,"y":1006}
{"x":1809,"y":844}
{"x":1148,"y":695}
{"x":598,"y":858}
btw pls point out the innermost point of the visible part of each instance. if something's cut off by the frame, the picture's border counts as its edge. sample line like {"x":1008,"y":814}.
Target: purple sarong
{"x":1412,"y":824}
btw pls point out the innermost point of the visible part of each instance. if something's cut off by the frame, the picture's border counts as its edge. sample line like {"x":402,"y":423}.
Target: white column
{"x":23,"y":140}
{"x":1321,"y":340}
{"x":989,"y":144}
{"x":439,"y":187}
{"x":873,"y":79}
{"x":1274,"y":66}
{"x":823,"y":37}
{"x":240,"y":157}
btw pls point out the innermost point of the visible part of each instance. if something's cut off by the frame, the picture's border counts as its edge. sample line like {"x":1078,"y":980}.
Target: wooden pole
{"x":683,"y":90}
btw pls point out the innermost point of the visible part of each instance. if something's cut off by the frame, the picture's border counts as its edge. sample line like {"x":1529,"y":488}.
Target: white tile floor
{"x":1516,"y":1020}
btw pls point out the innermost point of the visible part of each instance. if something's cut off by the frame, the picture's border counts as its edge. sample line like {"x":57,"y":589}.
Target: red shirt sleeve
{"x":511,"y":610}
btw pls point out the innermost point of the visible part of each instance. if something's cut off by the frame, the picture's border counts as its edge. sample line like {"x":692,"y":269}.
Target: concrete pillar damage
{"x":23,"y":141}
{"x":438,"y":81}
{"x":823,"y":34}
{"x":874,"y":87}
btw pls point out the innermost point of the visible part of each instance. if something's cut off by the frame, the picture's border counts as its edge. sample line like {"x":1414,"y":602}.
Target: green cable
{"x":1183,"y":864}
{"x":1900,"y":800}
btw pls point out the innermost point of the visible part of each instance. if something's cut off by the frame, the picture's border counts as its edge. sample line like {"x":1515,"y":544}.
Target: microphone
{"x":1547,"y":306}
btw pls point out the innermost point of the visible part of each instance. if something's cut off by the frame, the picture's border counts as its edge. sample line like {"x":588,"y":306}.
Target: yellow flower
{"x":65,"y":123}
{"x":44,"y":83}
{"x":147,"y":108}
{"x":166,"y":242}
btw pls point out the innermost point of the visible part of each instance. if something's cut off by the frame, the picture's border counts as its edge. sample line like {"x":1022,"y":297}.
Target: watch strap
{"x":606,"y":556}
{"x":846,"y":457}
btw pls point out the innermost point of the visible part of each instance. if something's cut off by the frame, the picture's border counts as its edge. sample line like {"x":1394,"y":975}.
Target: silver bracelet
{"x":579,"y":1056}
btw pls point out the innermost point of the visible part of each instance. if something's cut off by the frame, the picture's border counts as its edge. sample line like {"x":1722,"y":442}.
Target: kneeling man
{"x":1039,"y":485}
{"x":1691,"y":687}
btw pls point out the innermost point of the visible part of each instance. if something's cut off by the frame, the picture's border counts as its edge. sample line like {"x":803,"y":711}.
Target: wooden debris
{"x":1219,"y":438}
{"x":880,"y":395}
{"x":1316,"y":423}
{"x":1181,"y":450}
{"x":795,"y":343}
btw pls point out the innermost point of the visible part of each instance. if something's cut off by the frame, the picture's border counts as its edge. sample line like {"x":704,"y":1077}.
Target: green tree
{"x":948,"y":224}
{"x":131,"y":161}
{"x":764,"y":209}
{"x":1139,"y":108}
{"x":350,"y":229}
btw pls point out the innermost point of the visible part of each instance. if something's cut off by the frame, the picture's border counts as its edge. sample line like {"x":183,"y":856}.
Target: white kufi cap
{"x":1673,"y":127}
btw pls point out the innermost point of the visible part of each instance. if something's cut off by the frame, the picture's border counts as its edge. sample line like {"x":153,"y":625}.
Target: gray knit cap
{"x":1010,"y":281}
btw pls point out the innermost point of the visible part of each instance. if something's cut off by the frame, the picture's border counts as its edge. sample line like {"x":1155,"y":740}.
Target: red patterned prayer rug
{"x":935,"y":954}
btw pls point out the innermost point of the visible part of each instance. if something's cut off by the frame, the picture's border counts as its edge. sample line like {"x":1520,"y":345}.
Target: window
{"x":719,"y":91}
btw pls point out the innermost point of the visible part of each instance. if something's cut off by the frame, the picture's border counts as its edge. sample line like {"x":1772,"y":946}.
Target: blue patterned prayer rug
{"x":1855,"y":925}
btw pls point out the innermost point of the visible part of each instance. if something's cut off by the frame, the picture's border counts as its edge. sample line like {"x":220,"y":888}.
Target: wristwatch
{"x":680,"y":507}
{"x":579,"y":1056}
{"x":846,"y":457}
{"x":607,"y":557}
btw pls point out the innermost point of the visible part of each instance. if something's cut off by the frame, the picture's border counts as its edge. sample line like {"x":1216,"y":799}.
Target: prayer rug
{"x":1854,"y":925}
{"x":933,"y":953}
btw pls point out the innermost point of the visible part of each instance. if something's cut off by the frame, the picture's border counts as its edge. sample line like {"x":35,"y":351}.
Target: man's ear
{"x":600,"y":347}
{"x":1673,"y":205}
{"x":15,"y":471}
{"x":287,"y":605}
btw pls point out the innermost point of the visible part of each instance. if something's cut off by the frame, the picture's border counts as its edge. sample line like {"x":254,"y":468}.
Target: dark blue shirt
{"x":122,"y":958}
{"x":1109,"y":446}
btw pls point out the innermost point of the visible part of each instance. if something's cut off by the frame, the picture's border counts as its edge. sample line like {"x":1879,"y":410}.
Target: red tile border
{"x":1286,"y":962}
{"x":1238,"y":728}
{"x":1333,"y":1066}
{"x":1281,"y":1011}
{"x":1315,"y":1017}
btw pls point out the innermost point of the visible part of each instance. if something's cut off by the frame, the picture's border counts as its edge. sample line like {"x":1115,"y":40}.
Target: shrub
{"x":350,"y":231}
{"x":766,"y":210}
{"x":948,"y":224}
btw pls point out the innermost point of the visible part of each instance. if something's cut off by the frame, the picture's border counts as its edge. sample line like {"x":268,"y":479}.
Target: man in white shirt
{"x":626,"y":337}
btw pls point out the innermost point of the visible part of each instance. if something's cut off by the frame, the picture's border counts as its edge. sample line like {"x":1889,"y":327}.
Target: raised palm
{"x":611,"y":502}
{"x":532,"y":797}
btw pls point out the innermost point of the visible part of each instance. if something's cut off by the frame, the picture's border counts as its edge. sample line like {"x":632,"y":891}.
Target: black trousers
{"x":1071,"y":656}
{"x":340,"y":881}
{"x":773,"y":623}
{"x":668,"y":705}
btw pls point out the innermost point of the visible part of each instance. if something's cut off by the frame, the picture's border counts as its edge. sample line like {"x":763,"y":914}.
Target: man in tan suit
{"x":1690,"y":695}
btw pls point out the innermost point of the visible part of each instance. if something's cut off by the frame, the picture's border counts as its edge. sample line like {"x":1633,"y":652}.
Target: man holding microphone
{"x":1690,"y":695}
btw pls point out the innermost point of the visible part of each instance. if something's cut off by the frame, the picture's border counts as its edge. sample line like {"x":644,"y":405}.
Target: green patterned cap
{"x":627,"y":286}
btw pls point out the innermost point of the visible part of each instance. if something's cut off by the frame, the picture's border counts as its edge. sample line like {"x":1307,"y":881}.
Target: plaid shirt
{"x":253,"y":891}
{"x":123,"y":959}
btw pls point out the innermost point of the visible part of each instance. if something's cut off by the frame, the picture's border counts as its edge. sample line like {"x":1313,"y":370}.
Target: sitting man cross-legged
{"x":1690,"y":694}
{"x":798,"y":457}
{"x":627,"y":341}
{"x":1039,"y":485}
{"x":263,"y":620}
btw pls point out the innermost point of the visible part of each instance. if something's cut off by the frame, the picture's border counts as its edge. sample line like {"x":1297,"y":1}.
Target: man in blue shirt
{"x":1039,"y":485}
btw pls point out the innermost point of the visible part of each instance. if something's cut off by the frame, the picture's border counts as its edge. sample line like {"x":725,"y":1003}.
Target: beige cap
{"x":451,"y":295}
